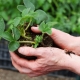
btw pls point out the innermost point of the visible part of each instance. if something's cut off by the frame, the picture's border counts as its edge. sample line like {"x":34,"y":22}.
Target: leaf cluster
{"x":19,"y":26}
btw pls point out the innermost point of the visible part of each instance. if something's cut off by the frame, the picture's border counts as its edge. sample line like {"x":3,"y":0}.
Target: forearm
{"x":72,"y":63}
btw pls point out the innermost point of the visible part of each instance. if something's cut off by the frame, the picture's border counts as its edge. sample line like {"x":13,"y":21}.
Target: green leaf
{"x":4,"y":15}
{"x":16,"y":21}
{"x":2,"y":26}
{"x":21,"y":7}
{"x":51,"y":24}
{"x":50,"y":1}
{"x":22,"y":32}
{"x":44,"y":28}
{"x":37,"y":40}
{"x":47,"y":6}
{"x":13,"y":45}
{"x":18,"y":1}
{"x":10,"y":27}
{"x":28,"y":4}
{"x":40,"y":16}
{"x":16,"y":33}
{"x":7,"y":36}
{"x":25,"y":11}
{"x":48,"y":31}
{"x":39,"y":3}
{"x":36,"y":45}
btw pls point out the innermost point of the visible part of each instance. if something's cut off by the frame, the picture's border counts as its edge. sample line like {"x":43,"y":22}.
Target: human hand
{"x":48,"y":60}
{"x":63,"y":40}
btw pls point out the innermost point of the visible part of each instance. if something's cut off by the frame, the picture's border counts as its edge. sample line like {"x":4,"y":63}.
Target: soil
{"x":14,"y":75}
{"x":46,"y":42}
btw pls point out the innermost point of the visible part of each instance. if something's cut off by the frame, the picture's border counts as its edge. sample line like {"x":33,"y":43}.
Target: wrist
{"x":72,"y":63}
{"x":75,"y":47}
{"x":66,"y":62}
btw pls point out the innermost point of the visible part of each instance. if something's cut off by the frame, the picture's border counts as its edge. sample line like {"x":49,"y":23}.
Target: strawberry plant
{"x":19,"y":32}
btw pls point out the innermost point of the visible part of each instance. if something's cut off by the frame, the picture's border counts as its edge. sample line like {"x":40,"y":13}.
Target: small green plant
{"x":19,"y":33}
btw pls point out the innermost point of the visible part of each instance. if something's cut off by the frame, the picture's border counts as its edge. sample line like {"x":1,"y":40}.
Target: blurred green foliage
{"x":65,"y":12}
{"x":8,"y":9}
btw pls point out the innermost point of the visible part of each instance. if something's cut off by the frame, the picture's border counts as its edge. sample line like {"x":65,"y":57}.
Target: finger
{"x":56,"y":32}
{"x":35,"y":29}
{"x":29,"y":51}
{"x":22,"y":62}
{"x":21,"y":69}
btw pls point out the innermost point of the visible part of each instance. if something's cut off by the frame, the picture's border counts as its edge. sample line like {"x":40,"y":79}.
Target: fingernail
{"x":20,"y":50}
{"x":33,"y":27}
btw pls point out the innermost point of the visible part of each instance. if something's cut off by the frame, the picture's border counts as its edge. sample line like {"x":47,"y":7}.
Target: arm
{"x":64,"y":40}
{"x":48,"y":60}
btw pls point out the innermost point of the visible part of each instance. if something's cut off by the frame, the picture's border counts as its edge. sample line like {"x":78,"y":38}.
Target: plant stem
{"x":28,"y":24}
{"x":42,"y":35}
{"x":31,"y":42}
{"x":29,"y":38}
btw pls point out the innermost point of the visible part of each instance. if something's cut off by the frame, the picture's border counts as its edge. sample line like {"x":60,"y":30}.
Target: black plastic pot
{"x":5,"y":61}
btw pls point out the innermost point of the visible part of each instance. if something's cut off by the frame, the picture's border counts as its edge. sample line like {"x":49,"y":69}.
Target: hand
{"x":64,"y":40}
{"x":48,"y":60}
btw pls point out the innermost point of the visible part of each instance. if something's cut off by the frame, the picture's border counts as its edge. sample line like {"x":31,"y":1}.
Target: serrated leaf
{"x":44,"y":28}
{"x":28,"y":4}
{"x":21,"y":7}
{"x":2,"y":26}
{"x":7,"y":36}
{"x":16,"y":33}
{"x":13,"y":45}
{"x":48,"y":31}
{"x":37,"y":40}
{"x":40,"y":16}
{"x":16,"y":21}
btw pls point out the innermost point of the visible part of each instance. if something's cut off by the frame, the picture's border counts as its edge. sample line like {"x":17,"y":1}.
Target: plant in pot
{"x":19,"y":32}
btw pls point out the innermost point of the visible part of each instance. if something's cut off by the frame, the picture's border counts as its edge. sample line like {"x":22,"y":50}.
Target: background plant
{"x":65,"y":12}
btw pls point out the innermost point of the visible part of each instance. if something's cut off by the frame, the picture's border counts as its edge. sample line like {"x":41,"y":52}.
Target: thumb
{"x":35,"y":29}
{"x":61,"y":38}
{"x":28,"y":51}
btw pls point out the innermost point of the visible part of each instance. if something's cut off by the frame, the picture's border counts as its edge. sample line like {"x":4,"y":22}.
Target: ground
{"x":13,"y":75}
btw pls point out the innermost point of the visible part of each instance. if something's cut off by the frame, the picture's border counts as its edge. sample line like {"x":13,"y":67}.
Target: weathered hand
{"x":64,"y":40}
{"x":48,"y":60}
